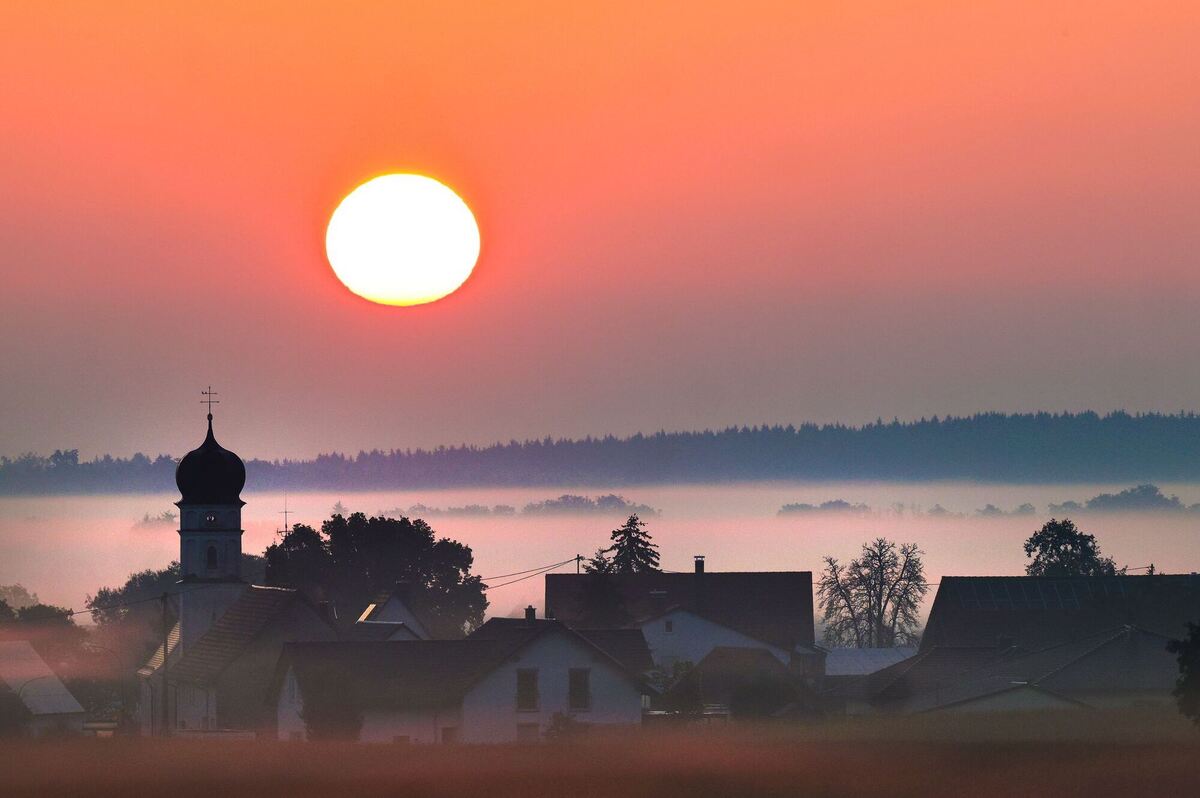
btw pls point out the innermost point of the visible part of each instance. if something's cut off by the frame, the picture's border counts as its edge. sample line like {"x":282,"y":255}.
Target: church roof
{"x":210,"y":474}
{"x":230,"y":634}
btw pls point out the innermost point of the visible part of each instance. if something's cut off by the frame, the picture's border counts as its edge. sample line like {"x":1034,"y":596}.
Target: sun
{"x":402,"y":239}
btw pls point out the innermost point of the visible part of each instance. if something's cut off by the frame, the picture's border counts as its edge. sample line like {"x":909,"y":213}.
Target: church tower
{"x":210,"y":480}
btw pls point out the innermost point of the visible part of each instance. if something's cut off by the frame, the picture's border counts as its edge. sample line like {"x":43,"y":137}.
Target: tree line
{"x":1030,"y":447}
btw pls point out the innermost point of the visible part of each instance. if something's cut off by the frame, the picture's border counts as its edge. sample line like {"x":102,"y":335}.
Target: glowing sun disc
{"x":402,"y":239}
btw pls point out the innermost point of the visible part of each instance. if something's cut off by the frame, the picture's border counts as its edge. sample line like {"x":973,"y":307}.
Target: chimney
{"x":530,"y":614}
{"x":699,"y":558}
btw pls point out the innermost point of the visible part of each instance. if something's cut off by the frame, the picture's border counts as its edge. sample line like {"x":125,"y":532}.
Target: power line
{"x":530,"y":576}
{"x":527,"y":570}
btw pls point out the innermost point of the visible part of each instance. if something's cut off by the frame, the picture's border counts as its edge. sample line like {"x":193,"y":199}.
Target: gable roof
{"x":1034,"y":612}
{"x":380,"y":630}
{"x":418,"y":674}
{"x":247,"y":617}
{"x":771,"y":606}
{"x":626,"y":646}
{"x":25,"y":673}
{"x":398,"y":604}
{"x":1118,"y":660}
{"x":863,"y":661}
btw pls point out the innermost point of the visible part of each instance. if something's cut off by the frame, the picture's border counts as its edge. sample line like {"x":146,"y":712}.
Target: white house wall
{"x":489,"y":710}
{"x":691,"y":639}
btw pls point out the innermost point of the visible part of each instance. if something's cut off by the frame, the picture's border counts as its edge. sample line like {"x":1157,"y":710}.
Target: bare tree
{"x":873,"y":602}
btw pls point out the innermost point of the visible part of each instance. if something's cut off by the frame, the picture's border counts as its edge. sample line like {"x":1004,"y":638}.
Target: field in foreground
{"x":982,"y":757}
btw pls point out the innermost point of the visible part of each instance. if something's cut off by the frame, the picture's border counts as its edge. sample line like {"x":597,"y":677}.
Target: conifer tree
{"x":632,"y":550}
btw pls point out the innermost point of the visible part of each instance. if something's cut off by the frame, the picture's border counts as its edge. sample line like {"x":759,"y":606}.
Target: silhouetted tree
{"x":873,"y":602}
{"x":632,"y":551}
{"x":1060,"y":549}
{"x":1187,"y":688}
{"x":353,"y":559}
{"x":330,"y":709}
{"x":7,"y":614}
{"x":600,"y":563}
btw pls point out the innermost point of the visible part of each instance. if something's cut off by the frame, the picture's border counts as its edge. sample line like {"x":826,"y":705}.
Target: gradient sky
{"x":691,"y":216}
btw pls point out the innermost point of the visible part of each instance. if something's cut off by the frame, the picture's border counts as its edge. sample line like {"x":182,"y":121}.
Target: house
{"x":507,"y":683}
{"x":1018,"y":643}
{"x":52,"y":708}
{"x":220,"y":654}
{"x":684,"y":616}
{"x":390,"y":617}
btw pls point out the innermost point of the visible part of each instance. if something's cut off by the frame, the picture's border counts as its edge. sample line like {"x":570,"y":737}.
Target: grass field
{"x":1093,"y":755}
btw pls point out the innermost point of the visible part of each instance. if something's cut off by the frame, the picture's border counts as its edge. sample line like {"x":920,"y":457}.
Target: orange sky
{"x":691,"y":216}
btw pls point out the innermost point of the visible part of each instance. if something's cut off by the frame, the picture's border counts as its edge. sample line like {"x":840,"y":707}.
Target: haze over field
{"x":63,"y":548}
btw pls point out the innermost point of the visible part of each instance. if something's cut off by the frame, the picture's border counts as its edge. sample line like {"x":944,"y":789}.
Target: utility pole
{"x":578,"y":560}
{"x":166,"y":717}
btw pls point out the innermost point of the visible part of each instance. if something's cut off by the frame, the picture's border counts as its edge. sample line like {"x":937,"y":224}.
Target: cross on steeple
{"x":208,"y":400}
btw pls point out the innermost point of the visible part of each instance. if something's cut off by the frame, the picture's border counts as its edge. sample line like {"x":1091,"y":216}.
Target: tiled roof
{"x":1121,"y":660}
{"x":1034,"y":612}
{"x":25,"y":673}
{"x":405,"y":674}
{"x":229,"y":635}
{"x":864,"y":661}
{"x":772,"y":606}
{"x":626,"y":646}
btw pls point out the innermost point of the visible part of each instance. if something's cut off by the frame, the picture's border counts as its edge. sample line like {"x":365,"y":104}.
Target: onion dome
{"x":210,"y":474}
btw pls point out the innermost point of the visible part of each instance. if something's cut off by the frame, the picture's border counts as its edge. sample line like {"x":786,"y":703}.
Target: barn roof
{"x":771,"y":606}
{"x":1127,"y":659}
{"x":25,"y":673}
{"x":1034,"y":612}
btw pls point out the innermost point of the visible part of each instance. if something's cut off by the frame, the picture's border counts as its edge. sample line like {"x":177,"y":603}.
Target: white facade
{"x":488,"y":712}
{"x":682,"y":636}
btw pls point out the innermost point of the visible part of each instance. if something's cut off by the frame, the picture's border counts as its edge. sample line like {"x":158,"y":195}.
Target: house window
{"x":579,"y":688}
{"x":210,"y":558}
{"x":527,"y":689}
{"x":669,"y":627}
{"x":449,"y":734}
{"x":528,"y":733}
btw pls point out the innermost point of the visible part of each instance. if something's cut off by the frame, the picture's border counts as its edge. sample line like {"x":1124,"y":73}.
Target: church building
{"x":220,"y":655}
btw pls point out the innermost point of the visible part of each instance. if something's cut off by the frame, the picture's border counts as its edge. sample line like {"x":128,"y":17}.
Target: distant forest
{"x":1034,"y":447}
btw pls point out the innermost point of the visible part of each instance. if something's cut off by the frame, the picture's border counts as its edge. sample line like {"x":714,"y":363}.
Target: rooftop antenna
{"x":208,"y":400}
{"x":285,"y":512}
